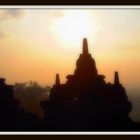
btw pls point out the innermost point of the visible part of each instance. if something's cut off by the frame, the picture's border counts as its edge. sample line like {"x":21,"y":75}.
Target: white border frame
{"x":69,"y":7}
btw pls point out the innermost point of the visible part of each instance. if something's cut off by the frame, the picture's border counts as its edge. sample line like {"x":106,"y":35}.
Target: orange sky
{"x":35,"y":44}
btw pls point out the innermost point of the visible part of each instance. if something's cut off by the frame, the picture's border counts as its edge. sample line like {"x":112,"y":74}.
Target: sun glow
{"x":73,"y":26}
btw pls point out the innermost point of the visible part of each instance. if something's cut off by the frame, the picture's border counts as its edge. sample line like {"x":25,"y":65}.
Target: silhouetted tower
{"x":116,"y":79}
{"x":57,"y":80}
{"x":85,"y":46}
{"x":85,"y":65}
{"x":86,"y":101}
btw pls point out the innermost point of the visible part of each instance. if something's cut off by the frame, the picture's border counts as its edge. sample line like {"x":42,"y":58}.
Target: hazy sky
{"x":35,"y":44}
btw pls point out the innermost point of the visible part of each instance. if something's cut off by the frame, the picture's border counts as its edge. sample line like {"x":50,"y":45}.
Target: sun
{"x":73,"y":26}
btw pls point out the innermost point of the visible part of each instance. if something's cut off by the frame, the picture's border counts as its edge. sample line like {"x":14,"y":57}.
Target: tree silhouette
{"x":30,"y":94}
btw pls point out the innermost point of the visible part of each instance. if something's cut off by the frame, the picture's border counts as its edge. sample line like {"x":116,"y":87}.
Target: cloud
{"x":11,"y":14}
{"x":131,"y":47}
{"x":5,"y":16}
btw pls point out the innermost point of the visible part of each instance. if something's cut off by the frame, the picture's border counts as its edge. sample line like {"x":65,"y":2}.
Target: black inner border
{"x":69,"y":2}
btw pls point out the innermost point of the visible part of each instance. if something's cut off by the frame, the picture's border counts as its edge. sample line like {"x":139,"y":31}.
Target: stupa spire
{"x":85,"y":46}
{"x":57,"y":80}
{"x":116,"y":78}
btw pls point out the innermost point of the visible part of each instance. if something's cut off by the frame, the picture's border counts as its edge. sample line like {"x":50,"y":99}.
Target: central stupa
{"x":86,"y":101}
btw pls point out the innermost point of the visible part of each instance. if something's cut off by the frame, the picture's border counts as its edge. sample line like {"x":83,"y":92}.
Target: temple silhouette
{"x":86,"y":102}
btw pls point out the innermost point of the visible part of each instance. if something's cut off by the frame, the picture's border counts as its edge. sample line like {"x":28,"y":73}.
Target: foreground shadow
{"x":12,"y":116}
